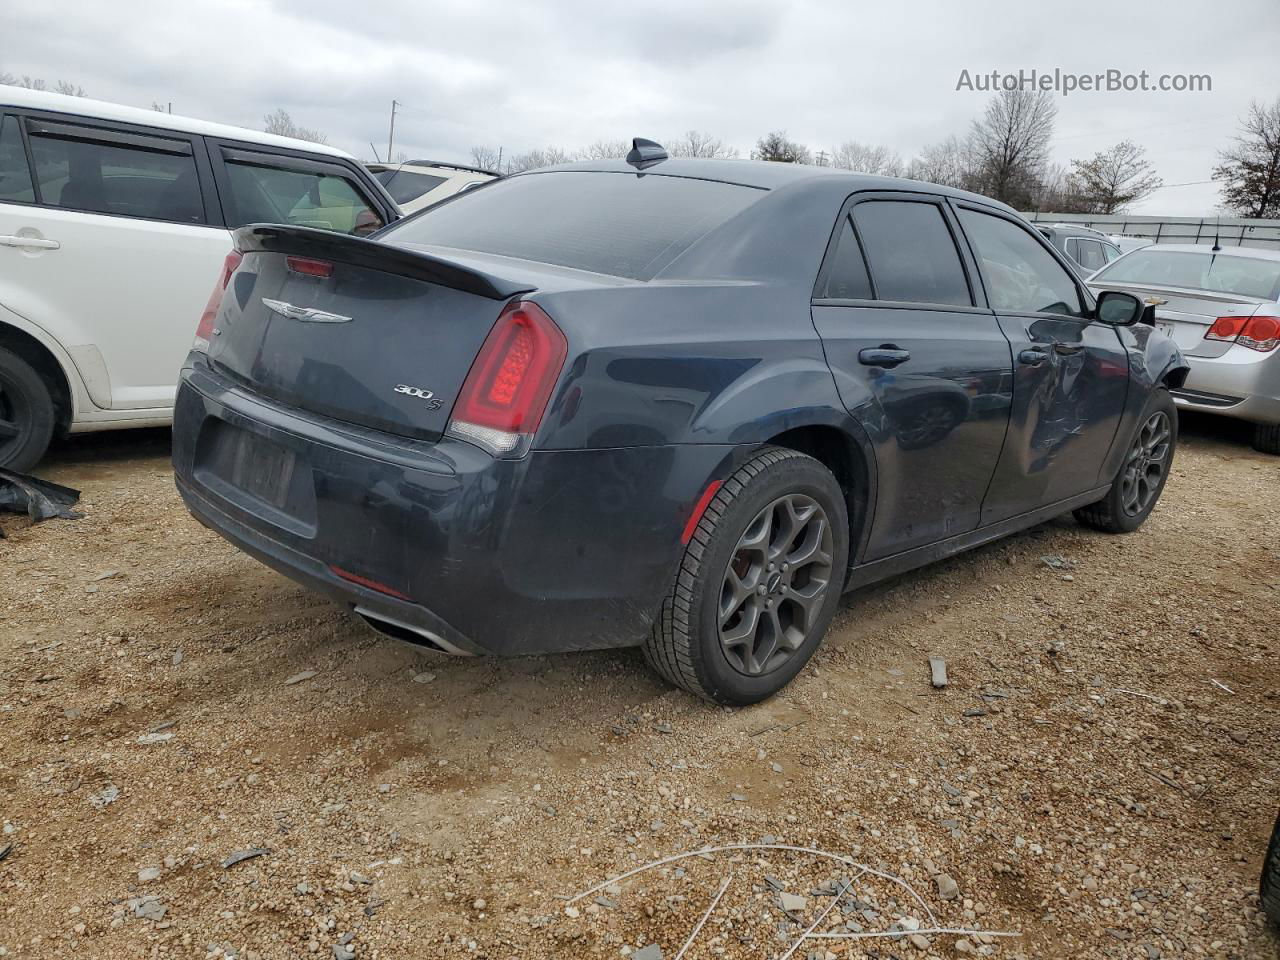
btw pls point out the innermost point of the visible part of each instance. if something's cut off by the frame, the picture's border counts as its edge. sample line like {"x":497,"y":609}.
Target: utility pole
{"x":391,"y":135}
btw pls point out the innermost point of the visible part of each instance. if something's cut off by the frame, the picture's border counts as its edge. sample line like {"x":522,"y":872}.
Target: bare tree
{"x":1010,"y":144}
{"x":695,"y":143}
{"x":776,"y":148}
{"x":1113,"y":179}
{"x":35,"y":83}
{"x":282,"y":125}
{"x":1249,"y":170}
{"x":863,"y":158}
{"x":486,"y":158}
{"x":545,"y":157}
{"x":603,"y":150}
{"x":949,"y":163}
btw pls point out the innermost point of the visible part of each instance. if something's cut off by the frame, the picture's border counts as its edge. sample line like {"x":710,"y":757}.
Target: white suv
{"x":114,"y":223}
{"x":418,"y":184}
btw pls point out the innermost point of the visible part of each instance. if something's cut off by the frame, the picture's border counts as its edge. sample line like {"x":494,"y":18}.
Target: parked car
{"x":1222,"y":307}
{"x":1090,"y":250}
{"x":681,"y":404}
{"x":1269,"y":883}
{"x":112,"y":221}
{"x":417,"y":184}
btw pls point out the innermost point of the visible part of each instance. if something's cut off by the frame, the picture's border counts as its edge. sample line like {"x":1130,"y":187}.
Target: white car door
{"x":117,"y":253}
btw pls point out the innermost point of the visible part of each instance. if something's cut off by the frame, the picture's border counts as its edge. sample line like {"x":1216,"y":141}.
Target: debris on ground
{"x":938,"y":672}
{"x":38,"y":499}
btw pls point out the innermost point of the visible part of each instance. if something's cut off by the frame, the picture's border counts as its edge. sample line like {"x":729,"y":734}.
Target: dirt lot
{"x":1100,"y":776}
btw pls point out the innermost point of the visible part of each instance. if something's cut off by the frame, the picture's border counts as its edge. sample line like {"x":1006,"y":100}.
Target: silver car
{"x":1222,"y":307}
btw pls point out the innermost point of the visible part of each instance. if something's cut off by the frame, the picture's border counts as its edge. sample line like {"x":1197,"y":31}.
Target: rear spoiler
{"x":373,"y":255}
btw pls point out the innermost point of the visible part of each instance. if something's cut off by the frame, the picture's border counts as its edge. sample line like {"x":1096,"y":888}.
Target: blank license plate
{"x":263,"y":470}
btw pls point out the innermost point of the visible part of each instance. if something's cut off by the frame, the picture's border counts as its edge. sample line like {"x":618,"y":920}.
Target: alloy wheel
{"x":11,"y":428}
{"x":775,"y":584}
{"x":1148,"y":461}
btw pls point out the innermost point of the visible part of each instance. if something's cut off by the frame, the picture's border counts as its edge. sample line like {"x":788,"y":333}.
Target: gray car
{"x":1088,"y":250}
{"x":1222,"y":308}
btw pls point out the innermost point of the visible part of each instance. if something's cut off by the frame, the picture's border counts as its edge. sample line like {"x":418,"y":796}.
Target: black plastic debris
{"x":38,"y":499}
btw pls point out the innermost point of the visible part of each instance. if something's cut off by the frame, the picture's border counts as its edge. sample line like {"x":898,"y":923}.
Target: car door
{"x":264,"y":185}
{"x":112,"y":250}
{"x":1071,"y":375}
{"x":919,"y":360}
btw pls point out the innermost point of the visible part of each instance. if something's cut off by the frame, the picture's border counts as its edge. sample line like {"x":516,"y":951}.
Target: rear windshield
{"x":405,"y":186}
{"x":1215,"y":272}
{"x":620,"y":224}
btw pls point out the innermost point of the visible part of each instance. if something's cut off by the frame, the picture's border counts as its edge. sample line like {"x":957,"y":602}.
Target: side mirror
{"x":1118,"y":309}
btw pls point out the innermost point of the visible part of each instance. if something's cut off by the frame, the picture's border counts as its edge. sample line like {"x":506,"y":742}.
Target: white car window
{"x":15,"y":174}
{"x":263,"y":191}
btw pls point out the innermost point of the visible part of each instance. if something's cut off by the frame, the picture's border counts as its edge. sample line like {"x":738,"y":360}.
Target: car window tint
{"x":1222,"y":272}
{"x":847,"y":272}
{"x":128,"y":180}
{"x":1089,"y":255}
{"x":407,"y":185}
{"x":911,"y":253}
{"x":618,"y":224}
{"x":267,"y":193}
{"x":1021,"y":276}
{"x":15,"y":174}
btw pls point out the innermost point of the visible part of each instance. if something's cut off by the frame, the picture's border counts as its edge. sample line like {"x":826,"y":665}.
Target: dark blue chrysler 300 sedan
{"x":682,"y":404}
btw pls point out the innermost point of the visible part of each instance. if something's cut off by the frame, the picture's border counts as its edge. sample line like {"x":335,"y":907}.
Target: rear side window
{"x":1021,"y":275}
{"x":15,"y":174}
{"x":406,"y":185}
{"x":1088,"y":253}
{"x":846,"y":277}
{"x":263,"y":191}
{"x":105,"y":171}
{"x":620,"y":224}
{"x":911,"y":253}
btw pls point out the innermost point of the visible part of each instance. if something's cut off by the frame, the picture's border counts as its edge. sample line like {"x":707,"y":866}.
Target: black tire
{"x":1266,"y":437}
{"x":686,"y":647}
{"x":27,"y":414}
{"x":1269,"y":886}
{"x":1114,"y":513}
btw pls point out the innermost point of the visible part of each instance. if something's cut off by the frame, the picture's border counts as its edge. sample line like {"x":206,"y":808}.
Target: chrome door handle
{"x":885,"y":355}
{"x":33,"y":243}
{"x":1032,"y":358}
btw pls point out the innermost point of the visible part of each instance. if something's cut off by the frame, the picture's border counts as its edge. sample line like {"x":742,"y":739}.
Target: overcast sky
{"x":521,"y":75}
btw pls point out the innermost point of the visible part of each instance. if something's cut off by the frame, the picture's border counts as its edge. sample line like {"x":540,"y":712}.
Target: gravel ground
{"x":1100,"y":775}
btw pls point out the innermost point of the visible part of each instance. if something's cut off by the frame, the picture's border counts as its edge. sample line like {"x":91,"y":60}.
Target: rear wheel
{"x":1143,"y":474}
{"x":758,"y":583}
{"x":1269,"y":887}
{"x":1266,"y":437}
{"x":27,"y":415}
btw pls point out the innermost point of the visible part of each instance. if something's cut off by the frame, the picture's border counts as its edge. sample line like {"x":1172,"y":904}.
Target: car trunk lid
{"x":1185,"y":315}
{"x":352,"y":329}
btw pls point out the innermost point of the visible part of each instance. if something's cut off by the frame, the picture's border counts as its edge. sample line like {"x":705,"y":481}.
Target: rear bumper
{"x":1241,"y":383}
{"x":560,"y":550}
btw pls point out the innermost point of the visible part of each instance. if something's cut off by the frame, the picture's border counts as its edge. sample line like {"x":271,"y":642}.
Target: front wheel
{"x":1138,"y":485}
{"x":758,"y":583}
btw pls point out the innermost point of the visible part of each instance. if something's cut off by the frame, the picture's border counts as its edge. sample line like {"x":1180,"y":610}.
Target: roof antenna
{"x":645,"y":153}
{"x":1217,"y":229}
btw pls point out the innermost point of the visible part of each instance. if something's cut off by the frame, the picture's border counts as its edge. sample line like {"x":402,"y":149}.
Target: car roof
{"x":1255,"y":253}
{"x":1070,"y":230}
{"x":767,"y":175}
{"x":102,"y":110}
{"x":431,"y":169}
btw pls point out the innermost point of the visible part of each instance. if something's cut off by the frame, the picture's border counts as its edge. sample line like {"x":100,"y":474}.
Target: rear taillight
{"x":1256,"y":333}
{"x":510,"y":383}
{"x":204,"y":329}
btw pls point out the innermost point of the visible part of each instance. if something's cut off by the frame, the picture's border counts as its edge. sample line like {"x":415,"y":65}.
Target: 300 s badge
{"x":433,"y":402}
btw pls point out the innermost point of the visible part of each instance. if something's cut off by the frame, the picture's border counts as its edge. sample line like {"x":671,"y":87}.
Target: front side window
{"x":910,"y":252}
{"x":1021,"y":275}
{"x":15,"y":174}
{"x":846,"y":277}
{"x":125,"y":174}
{"x":267,"y":192}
